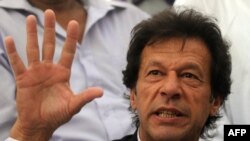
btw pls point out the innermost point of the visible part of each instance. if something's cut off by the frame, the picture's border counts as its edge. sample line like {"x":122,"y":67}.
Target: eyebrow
{"x":152,"y":63}
{"x":155,"y":63}
{"x":186,"y":65}
{"x":190,"y":65}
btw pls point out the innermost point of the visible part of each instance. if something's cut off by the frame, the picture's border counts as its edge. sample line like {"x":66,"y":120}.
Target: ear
{"x":215,"y":105}
{"x":133,"y":99}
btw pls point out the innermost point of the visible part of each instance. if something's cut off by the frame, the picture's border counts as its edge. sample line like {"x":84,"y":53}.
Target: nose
{"x":170,"y":87}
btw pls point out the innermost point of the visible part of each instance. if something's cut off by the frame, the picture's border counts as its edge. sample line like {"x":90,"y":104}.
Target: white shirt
{"x":10,"y":139}
{"x":99,"y":61}
{"x":234,"y":20}
{"x":138,"y":136}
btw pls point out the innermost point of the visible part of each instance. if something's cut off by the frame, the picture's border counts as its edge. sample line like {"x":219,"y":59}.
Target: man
{"x":178,"y":73}
{"x":104,"y":29}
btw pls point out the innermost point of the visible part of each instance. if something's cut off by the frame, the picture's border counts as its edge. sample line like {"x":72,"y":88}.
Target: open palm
{"x":44,"y":98}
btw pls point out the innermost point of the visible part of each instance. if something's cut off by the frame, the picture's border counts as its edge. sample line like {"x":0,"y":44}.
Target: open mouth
{"x":168,"y":113}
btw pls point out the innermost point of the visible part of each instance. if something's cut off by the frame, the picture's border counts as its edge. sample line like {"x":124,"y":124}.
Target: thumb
{"x":78,"y":101}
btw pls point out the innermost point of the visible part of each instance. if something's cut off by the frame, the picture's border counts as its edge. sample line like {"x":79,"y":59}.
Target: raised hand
{"x":44,"y":98}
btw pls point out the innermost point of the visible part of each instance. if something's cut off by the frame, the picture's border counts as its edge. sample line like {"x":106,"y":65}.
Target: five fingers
{"x":67,"y":56}
{"x":48,"y":43}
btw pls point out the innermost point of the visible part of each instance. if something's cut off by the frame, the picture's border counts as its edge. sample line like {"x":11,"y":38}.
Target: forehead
{"x":192,"y":48}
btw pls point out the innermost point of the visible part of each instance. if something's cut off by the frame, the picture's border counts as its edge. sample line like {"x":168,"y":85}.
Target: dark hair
{"x":185,"y":24}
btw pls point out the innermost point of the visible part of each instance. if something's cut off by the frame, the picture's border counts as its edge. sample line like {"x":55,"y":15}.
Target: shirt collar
{"x":17,"y":4}
{"x":96,"y":8}
{"x":138,"y":135}
{"x":25,"y":5}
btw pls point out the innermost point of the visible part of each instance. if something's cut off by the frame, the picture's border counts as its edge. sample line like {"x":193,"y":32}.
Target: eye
{"x":154,"y":75}
{"x":190,"y":76}
{"x":191,"y":79}
{"x":155,"y":72}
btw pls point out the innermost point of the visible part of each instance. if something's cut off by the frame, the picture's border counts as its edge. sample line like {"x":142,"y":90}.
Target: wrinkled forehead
{"x":178,"y":44}
{"x":177,"y":50}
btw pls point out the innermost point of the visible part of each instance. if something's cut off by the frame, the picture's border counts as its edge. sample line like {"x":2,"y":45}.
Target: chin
{"x":167,"y":138}
{"x":172,"y":135}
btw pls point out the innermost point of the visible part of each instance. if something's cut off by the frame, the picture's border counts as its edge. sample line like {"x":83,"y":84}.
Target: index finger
{"x":15,"y":61}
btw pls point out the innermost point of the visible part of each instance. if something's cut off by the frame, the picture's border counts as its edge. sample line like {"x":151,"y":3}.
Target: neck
{"x":56,"y":5}
{"x":65,"y":11}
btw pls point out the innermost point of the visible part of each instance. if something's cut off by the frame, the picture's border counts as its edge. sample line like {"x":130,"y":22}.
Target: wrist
{"x":22,"y":133}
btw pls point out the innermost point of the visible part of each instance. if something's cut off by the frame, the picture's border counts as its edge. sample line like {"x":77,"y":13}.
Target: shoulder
{"x":115,"y":11}
{"x":119,"y":8}
{"x":129,"y":9}
{"x":127,"y":13}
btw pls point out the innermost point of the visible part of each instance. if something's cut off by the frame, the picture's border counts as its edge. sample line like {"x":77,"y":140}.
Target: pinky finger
{"x":14,"y":58}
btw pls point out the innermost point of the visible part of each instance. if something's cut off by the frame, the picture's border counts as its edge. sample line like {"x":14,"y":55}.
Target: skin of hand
{"x":44,"y":98}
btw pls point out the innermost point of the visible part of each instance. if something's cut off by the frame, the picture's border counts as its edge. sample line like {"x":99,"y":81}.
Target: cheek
{"x":145,"y":98}
{"x":201,"y":117}
{"x":199,"y":101}
{"x":200,"y":109}
{"x":198,"y":96}
{"x":144,"y":90}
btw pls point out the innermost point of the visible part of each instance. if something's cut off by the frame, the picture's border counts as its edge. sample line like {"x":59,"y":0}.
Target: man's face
{"x":173,"y":91}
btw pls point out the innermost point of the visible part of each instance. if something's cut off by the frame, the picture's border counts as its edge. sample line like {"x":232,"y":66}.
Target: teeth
{"x":167,"y":114}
